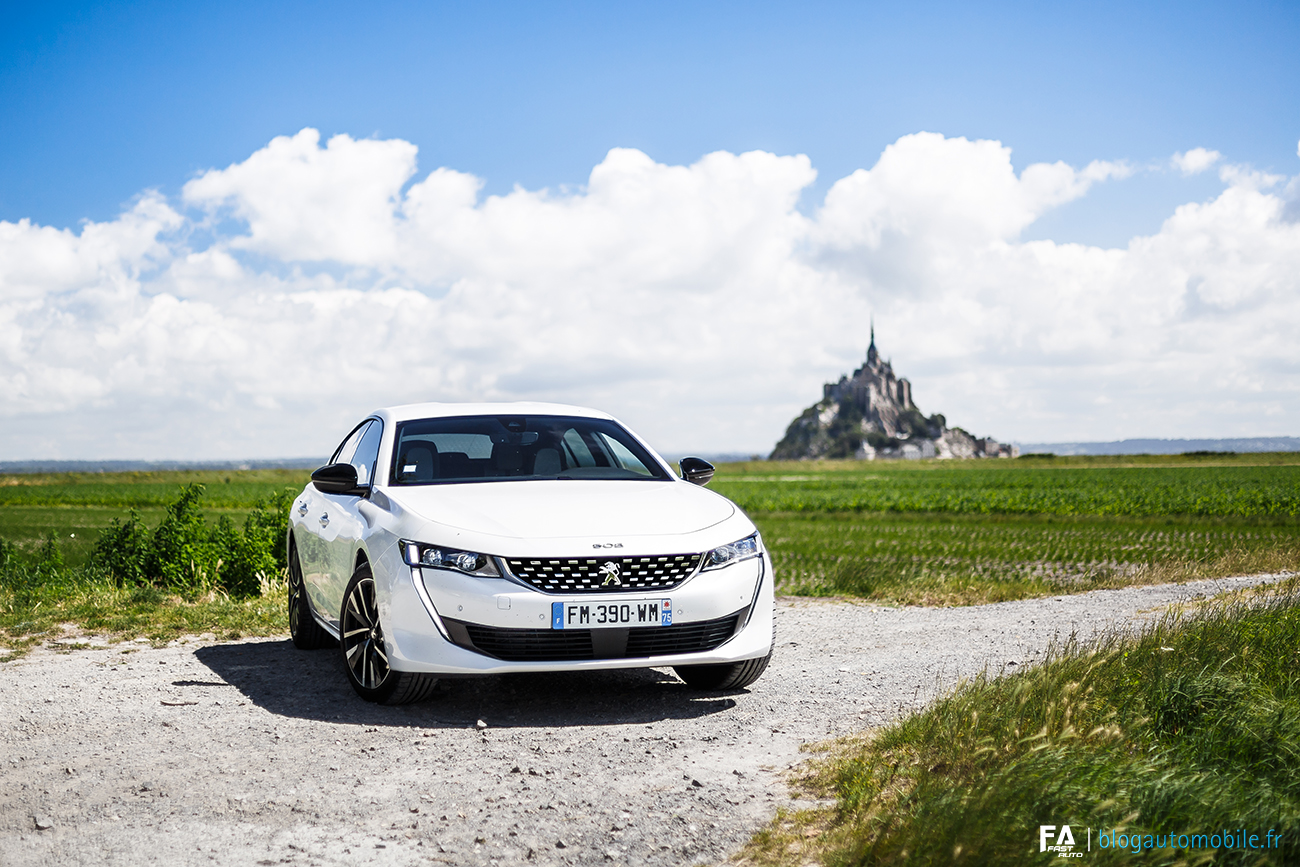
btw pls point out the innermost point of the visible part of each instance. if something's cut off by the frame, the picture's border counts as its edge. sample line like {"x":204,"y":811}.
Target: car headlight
{"x":433,"y":557}
{"x":725,"y":555}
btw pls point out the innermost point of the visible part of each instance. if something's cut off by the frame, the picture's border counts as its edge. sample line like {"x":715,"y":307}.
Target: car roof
{"x":409,"y":411}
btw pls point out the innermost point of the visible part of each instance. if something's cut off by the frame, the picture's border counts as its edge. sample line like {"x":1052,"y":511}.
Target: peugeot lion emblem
{"x":610,"y":571}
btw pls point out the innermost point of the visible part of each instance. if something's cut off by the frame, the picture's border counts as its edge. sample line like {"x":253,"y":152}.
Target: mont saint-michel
{"x":871,"y":415}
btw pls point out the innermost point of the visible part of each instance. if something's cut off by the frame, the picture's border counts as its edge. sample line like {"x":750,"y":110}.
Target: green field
{"x":225,"y":489}
{"x":963,"y":532}
{"x":1015,"y":488}
{"x":927,"y":532}
{"x":970,"y":559}
{"x":77,"y":506}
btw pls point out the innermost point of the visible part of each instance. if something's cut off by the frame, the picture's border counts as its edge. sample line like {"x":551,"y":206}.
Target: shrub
{"x":122,"y":549}
{"x":184,"y":554}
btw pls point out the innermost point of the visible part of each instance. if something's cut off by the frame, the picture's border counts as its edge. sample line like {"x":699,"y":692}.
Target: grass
{"x":76,"y":507}
{"x":78,"y":527}
{"x":157,"y":573}
{"x":928,"y":559}
{"x":968,"y":532}
{"x":1191,"y":727}
{"x":905,"y":532}
{"x":224,"y":489}
{"x":125,"y":613}
{"x":1008,"y":487}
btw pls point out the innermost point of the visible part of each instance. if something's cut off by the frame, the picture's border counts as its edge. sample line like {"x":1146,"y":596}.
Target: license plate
{"x":596,"y":615}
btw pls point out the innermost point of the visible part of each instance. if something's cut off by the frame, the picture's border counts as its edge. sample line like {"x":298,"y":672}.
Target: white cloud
{"x":308,"y":203}
{"x":1246,"y":177}
{"x":1195,"y":161}
{"x":695,"y":301}
{"x":936,"y":189}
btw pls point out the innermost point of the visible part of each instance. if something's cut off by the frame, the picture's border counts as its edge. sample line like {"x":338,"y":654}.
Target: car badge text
{"x":607,"y":545}
{"x":610,"y":571}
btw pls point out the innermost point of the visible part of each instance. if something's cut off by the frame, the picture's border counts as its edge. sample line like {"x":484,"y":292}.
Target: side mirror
{"x":337,"y":479}
{"x":697,"y":471}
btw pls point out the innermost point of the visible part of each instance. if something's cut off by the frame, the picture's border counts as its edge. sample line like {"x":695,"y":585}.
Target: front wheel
{"x":734,"y":675}
{"x":361,"y":637}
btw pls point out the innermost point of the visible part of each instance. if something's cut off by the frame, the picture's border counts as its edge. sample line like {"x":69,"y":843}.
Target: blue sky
{"x":101,"y":101}
{"x":1071,"y":221}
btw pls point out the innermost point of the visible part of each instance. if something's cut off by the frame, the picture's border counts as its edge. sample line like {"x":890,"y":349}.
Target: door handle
{"x":302,"y":509}
{"x":325,"y":519}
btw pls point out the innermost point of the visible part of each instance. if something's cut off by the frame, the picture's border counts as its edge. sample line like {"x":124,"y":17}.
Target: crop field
{"x":969,"y":559}
{"x":975,"y":531}
{"x":75,"y":507}
{"x":905,"y":532}
{"x":225,"y":489}
{"x":987,"y":488}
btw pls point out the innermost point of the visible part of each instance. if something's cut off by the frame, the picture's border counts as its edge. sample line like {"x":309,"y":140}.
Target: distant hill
{"x":14,"y":467}
{"x":1166,"y":447}
{"x":871,"y":415}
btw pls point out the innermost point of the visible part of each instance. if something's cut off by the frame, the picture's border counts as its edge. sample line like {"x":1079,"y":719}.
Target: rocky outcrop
{"x":871,"y":415}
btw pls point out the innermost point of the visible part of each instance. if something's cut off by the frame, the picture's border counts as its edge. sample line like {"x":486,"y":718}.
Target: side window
{"x":367,"y":453}
{"x":578,"y":453}
{"x":624,"y":458}
{"x":343,"y":454}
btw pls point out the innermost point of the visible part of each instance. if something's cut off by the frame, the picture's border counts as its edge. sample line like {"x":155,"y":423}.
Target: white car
{"x":471,"y":539}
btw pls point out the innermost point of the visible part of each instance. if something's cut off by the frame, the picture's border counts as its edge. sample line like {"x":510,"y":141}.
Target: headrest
{"x":547,"y":462}
{"x":419,"y":464}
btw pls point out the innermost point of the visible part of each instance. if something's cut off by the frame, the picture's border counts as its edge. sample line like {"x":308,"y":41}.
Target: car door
{"x":319,"y":517}
{"x":340,"y":520}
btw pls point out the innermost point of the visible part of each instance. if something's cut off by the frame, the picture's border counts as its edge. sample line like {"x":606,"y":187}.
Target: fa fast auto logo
{"x":1059,"y":841}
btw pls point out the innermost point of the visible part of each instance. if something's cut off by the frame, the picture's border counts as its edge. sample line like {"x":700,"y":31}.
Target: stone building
{"x":883,"y":397}
{"x":871,"y":415}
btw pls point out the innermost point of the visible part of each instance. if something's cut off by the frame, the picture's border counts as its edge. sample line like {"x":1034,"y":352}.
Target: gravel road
{"x":254,"y":752}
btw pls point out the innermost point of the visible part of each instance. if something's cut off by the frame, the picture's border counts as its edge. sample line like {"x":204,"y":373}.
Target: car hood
{"x":595,"y":511}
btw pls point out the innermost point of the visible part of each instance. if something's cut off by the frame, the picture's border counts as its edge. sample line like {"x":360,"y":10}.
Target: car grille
{"x":595,"y":575}
{"x":542,"y":645}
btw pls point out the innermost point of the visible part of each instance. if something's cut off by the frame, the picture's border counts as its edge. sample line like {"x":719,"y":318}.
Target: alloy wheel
{"x":363,"y":639}
{"x":295,"y":596}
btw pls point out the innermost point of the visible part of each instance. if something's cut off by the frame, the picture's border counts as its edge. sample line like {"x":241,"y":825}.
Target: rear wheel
{"x":361,"y":637}
{"x":306,"y":633}
{"x":734,"y":675}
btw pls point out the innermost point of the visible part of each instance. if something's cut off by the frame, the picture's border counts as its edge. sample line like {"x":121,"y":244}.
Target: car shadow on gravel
{"x":276,"y":676}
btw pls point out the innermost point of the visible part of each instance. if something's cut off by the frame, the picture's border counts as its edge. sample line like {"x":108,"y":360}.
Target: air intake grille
{"x":542,"y":645}
{"x":683,"y":638}
{"x":604,"y":574}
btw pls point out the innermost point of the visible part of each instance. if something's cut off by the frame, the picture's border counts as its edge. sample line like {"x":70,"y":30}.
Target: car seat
{"x":419,"y":464}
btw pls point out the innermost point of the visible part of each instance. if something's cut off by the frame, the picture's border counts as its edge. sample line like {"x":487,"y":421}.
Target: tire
{"x":734,"y":675}
{"x":361,"y":640}
{"x":306,"y":633}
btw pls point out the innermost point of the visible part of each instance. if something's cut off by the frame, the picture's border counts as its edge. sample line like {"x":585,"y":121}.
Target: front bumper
{"x":433,"y":617}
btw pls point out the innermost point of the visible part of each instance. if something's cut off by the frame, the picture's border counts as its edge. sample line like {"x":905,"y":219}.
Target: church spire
{"x":872,"y":354}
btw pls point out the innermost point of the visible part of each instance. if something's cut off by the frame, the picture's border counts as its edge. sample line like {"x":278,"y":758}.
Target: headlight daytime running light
{"x":433,"y":557}
{"x":725,"y":555}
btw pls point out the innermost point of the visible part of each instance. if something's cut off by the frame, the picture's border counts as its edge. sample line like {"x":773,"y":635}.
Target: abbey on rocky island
{"x":870,"y":415}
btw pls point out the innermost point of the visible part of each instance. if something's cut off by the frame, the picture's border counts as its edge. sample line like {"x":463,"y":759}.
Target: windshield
{"x":510,"y":448}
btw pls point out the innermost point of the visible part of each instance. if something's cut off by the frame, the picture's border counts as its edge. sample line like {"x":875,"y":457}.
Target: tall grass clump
{"x":1193,"y":727}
